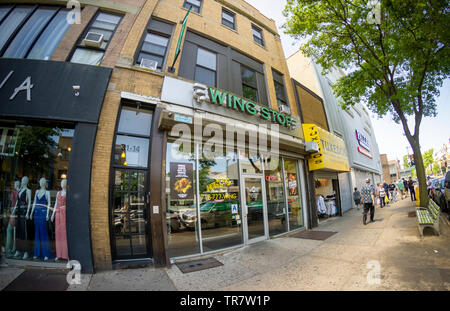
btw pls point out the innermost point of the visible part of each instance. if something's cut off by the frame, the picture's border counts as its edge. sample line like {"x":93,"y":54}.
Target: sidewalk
{"x":342,"y":262}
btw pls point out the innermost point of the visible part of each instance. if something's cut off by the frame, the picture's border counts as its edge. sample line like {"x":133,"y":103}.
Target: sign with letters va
{"x":332,"y":153}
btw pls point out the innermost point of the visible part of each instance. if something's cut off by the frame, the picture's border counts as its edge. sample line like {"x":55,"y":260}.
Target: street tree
{"x":396,"y":53}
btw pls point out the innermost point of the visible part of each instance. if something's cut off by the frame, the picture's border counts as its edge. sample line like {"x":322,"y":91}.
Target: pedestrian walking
{"x":400,"y":188}
{"x":386,"y":191}
{"x":392,"y":190}
{"x":382,"y":195}
{"x":405,"y":185}
{"x":368,"y":198}
{"x":411,"y":189}
{"x":357,"y":198}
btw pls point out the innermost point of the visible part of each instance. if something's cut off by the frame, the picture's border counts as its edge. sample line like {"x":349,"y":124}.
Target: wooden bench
{"x":428,"y":217}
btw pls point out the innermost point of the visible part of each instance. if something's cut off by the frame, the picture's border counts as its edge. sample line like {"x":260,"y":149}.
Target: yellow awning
{"x":332,"y":153}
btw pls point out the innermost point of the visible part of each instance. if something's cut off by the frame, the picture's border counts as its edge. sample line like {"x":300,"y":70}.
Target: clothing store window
{"x":295,"y":209}
{"x":326,"y":198}
{"x":33,"y":191}
{"x":182,"y":224}
{"x":220,"y":210}
{"x":276,"y":207}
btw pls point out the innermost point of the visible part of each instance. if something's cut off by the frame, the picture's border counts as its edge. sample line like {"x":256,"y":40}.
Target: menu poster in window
{"x":292,"y":184}
{"x":181,"y":181}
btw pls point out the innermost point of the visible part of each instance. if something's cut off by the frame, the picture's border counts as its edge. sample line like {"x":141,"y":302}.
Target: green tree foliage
{"x":428,"y":158}
{"x":397,"y":58}
{"x":406,"y":163}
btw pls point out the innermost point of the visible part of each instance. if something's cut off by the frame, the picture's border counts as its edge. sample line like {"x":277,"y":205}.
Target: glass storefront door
{"x":254,"y":208}
{"x":129,"y":211}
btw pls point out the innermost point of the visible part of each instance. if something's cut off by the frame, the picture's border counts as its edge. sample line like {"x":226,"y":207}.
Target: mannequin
{"x":41,"y":208}
{"x":60,"y":224}
{"x":21,"y":212}
{"x":11,"y":230}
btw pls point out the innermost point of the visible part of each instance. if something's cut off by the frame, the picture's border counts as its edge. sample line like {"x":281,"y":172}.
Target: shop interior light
{"x":123,"y":156}
{"x":125,"y":163}
{"x":69,"y":149}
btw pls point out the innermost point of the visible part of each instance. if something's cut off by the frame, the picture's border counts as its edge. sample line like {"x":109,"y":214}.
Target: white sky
{"x":434,"y":131}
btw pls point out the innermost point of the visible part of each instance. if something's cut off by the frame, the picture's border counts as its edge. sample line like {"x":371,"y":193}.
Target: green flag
{"x":180,"y":39}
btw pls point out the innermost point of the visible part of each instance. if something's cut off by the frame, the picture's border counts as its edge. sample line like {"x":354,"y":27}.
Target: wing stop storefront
{"x":232,"y":173}
{"x":49,"y":113}
{"x":325,"y":167}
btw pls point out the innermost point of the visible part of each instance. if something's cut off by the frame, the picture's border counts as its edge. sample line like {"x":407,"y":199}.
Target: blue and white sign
{"x":234,"y":209}
{"x":362,"y":140}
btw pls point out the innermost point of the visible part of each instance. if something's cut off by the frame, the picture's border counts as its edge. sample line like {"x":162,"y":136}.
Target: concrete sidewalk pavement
{"x":387,"y":254}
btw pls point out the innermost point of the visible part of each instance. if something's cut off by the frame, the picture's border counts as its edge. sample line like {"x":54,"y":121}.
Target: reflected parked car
{"x":437,"y":193}
{"x":213,"y":214}
{"x":173,"y":221}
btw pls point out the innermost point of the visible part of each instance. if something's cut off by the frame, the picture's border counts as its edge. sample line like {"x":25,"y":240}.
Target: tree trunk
{"x":420,"y":170}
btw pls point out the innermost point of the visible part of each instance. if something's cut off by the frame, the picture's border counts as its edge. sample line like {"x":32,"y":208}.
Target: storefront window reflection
{"x":220,"y":210}
{"x":34,"y":169}
{"x":293,"y":194}
{"x":181,"y":216}
{"x":276,"y":208}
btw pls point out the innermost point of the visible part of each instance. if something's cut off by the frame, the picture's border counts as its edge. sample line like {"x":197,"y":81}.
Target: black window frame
{"x":87,"y":29}
{"x":206,"y":68}
{"x":34,"y":8}
{"x":160,"y":32}
{"x":195,"y":8}
{"x":250,"y":85}
{"x":141,"y":51}
{"x":260,"y":31}
{"x":232,"y":14}
{"x":112,"y":191}
{"x":278,"y":79}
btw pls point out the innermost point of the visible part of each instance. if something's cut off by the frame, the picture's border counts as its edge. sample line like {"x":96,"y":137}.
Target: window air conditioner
{"x":285,"y":109}
{"x":93,"y":39}
{"x":149,"y":64}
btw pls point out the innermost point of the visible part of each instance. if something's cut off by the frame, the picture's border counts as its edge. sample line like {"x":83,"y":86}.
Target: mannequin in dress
{"x":41,"y":208}
{"x":10,"y":231}
{"x":21,"y":210}
{"x":60,"y":225}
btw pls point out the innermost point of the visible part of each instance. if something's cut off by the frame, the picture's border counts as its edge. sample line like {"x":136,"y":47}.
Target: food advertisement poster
{"x":292,"y":184}
{"x":181,"y":181}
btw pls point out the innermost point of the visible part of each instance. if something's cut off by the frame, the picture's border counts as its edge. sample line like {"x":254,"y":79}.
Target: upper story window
{"x":195,"y":4}
{"x":153,"y":48}
{"x":214,"y":64}
{"x":228,"y":19}
{"x":206,"y":66}
{"x":280,"y":92}
{"x":249,"y":84}
{"x":155,"y":42}
{"x":257,"y":35}
{"x":95,"y":39}
{"x":31,"y":31}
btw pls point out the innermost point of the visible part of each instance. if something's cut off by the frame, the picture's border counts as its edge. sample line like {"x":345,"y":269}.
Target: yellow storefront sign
{"x":332,"y":153}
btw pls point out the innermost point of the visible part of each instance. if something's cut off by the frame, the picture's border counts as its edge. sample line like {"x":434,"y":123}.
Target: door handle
{"x":148,"y":198}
